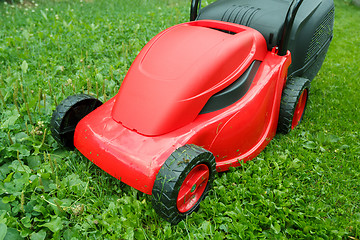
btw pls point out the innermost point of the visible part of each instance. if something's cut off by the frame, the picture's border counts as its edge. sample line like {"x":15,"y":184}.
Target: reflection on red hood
{"x":179,"y":70}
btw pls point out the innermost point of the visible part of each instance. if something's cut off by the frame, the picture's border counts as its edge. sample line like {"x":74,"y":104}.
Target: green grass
{"x":305,"y":185}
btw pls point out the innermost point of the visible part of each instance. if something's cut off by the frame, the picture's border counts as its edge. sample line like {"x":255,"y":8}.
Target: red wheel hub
{"x":299,"y":110}
{"x":193,"y":187}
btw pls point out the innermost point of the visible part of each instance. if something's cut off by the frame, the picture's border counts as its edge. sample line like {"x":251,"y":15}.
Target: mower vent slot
{"x":234,"y":92}
{"x":224,"y":31}
{"x":240,"y":14}
{"x":321,"y":36}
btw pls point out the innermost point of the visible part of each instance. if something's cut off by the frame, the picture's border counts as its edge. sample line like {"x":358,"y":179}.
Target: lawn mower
{"x":201,"y":97}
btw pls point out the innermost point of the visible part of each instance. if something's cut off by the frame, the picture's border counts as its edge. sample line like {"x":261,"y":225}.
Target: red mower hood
{"x":177,"y":72}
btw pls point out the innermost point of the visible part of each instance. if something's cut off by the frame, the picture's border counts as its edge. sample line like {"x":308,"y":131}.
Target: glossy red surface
{"x":179,"y":70}
{"x":127,"y":155}
{"x":237,"y":132}
{"x":192,"y":188}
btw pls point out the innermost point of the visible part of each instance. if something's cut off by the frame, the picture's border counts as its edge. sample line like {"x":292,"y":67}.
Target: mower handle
{"x":288,"y":24}
{"x":194,"y":9}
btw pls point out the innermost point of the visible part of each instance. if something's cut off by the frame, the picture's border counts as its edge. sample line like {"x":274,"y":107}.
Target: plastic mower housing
{"x":202,"y":97}
{"x":156,"y":112}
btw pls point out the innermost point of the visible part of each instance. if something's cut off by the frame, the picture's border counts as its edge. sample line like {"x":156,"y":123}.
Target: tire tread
{"x":164,"y":193}
{"x":290,"y":96}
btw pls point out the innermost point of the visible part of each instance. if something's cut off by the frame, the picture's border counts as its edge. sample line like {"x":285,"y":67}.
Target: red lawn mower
{"x":202,"y":97}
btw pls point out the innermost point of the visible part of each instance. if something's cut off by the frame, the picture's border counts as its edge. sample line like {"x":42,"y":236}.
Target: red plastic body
{"x":179,"y":70}
{"x":157,"y":108}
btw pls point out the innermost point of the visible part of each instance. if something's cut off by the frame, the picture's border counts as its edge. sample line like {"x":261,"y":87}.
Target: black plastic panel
{"x":311,"y":39}
{"x":234,"y":92}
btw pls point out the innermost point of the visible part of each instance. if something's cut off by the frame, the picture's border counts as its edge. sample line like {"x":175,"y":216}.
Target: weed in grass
{"x":304,"y":185}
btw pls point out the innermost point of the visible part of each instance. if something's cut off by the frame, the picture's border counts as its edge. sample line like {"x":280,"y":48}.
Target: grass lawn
{"x":305,"y":185}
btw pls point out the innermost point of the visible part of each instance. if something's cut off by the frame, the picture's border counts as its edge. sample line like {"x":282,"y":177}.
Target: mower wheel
{"x":68,"y":114}
{"x":183,"y":182}
{"x":293,"y":103}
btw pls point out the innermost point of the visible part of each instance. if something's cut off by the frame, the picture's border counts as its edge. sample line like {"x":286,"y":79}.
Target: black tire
{"x":293,"y":104}
{"x":166,"y":198}
{"x":68,"y":114}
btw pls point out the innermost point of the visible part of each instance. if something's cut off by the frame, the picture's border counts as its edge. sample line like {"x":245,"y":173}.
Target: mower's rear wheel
{"x":68,"y":114}
{"x":293,"y":104}
{"x":183,"y":182}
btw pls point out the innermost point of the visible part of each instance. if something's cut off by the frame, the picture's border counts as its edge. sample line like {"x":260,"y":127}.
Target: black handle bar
{"x":195,"y":8}
{"x":289,"y":22}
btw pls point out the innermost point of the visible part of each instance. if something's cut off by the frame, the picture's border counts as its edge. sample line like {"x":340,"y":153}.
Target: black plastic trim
{"x":234,"y":92}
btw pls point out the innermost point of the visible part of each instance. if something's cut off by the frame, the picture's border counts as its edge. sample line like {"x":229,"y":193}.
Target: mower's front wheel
{"x":183,"y":182}
{"x":293,"y":103}
{"x":68,"y":114}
